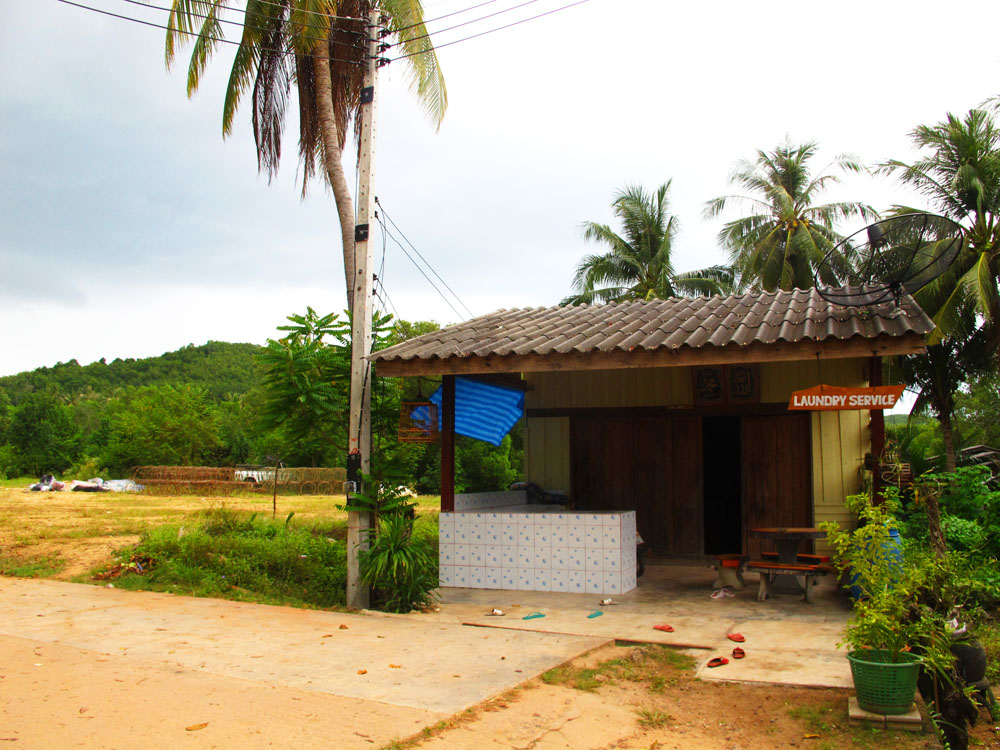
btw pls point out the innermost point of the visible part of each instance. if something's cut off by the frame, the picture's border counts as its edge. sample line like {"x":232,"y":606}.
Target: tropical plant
{"x":305,"y":379}
{"x":780,"y":244}
{"x":319,"y":46}
{"x":639,"y":263}
{"x":937,"y":374}
{"x":959,"y":175}
{"x":399,"y":565}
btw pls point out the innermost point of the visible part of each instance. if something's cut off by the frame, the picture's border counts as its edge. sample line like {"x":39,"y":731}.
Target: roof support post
{"x":448,"y":443}
{"x":877,"y":430}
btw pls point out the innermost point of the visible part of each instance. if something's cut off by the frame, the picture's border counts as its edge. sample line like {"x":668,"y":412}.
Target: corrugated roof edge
{"x":782,"y":316}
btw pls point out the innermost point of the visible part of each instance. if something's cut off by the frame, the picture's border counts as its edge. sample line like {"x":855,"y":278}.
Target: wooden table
{"x":787,"y":540}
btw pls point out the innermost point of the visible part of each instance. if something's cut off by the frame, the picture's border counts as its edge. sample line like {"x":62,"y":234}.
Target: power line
{"x":466,"y":23}
{"x":457,"y":298}
{"x":447,"y":15}
{"x":417,"y":265}
{"x":244,"y":11}
{"x":490,"y":31}
{"x":191,"y":33}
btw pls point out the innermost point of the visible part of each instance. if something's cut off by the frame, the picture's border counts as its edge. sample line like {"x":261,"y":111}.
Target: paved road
{"x":82,"y":666}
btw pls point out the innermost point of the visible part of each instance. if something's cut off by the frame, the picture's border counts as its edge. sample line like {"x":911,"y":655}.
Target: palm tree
{"x":960,"y":177}
{"x":638,"y":265}
{"x":319,"y":46}
{"x":780,"y":244}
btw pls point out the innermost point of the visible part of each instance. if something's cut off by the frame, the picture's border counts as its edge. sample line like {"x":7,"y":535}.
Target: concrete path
{"x":788,"y":642}
{"x":98,"y":667}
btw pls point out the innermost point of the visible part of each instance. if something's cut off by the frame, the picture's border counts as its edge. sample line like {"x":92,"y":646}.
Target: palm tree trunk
{"x":333,"y":161}
{"x":948,"y":435}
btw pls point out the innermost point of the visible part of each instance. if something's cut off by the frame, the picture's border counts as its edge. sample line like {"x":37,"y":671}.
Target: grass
{"x":816,"y":718}
{"x":654,"y":665}
{"x":651,"y":718}
{"x":40,"y":567}
{"x":238,"y":555}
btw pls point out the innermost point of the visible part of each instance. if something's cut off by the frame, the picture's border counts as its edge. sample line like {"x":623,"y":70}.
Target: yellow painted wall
{"x":839,"y":439}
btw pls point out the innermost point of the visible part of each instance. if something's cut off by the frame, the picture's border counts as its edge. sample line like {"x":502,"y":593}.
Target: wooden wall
{"x":839,"y":439}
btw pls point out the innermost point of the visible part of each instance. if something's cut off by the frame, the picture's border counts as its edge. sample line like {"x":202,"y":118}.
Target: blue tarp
{"x":483,"y":411}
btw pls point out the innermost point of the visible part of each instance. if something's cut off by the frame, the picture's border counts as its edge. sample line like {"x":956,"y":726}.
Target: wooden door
{"x":776,"y":471}
{"x":651,"y":465}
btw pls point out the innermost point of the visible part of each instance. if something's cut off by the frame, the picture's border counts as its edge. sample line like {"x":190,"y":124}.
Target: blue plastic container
{"x":892,"y":548}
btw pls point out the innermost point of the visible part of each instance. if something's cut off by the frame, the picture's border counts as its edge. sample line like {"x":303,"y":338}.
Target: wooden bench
{"x":729,"y":566}
{"x":770,"y":570}
{"x":804,"y":559}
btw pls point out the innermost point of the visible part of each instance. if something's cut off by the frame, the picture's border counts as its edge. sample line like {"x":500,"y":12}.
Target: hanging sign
{"x":835,"y":398}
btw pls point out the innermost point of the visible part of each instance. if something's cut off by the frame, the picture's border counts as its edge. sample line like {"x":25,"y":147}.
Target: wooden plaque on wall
{"x":718,"y":385}
{"x":709,"y":385}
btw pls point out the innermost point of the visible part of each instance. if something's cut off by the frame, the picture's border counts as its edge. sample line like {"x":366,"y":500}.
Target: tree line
{"x":223,"y":404}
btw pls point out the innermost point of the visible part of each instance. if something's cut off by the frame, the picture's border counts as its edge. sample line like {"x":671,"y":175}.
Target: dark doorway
{"x":723,"y":502}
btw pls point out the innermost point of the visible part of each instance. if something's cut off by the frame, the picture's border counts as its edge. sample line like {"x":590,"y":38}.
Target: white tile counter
{"x":538,"y":548}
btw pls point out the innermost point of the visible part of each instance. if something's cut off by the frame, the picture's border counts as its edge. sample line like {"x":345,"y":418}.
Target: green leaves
{"x":306,"y":376}
{"x":782,"y":242}
{"x":639,"y":262}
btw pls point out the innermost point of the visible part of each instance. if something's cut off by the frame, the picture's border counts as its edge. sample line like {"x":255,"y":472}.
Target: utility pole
{"x":359,"y":435}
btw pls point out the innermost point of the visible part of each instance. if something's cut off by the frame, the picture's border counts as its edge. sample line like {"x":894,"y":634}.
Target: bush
{"x":400,"y":565}
{"x":237,"y":556}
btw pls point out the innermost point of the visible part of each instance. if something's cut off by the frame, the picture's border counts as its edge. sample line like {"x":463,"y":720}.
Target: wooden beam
{"x":448,"y":443}
{"x":682,"y":410}
{"x":683,"y":357}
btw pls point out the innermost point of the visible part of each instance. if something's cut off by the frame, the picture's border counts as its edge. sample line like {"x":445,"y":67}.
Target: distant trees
{"x":42,"y":435}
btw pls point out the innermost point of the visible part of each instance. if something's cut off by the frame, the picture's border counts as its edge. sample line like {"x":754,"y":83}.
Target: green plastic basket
{"x":882,"y":686}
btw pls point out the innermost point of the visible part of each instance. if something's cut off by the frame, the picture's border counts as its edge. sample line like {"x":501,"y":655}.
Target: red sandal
{"x":664,"y":628}
{"x":718,"y":661}
{"x":738,"y":637}
{"x":738,"y":653}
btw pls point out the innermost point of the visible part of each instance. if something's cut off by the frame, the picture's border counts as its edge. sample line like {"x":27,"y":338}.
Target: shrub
{"x":400,"y":565}
{"x":235,"y":555}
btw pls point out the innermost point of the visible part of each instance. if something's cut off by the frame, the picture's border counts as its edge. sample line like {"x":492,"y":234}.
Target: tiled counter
{"x":538,"y":548}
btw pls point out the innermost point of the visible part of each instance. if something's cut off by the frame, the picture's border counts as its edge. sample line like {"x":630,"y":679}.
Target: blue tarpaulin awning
{"x":483,"y":411}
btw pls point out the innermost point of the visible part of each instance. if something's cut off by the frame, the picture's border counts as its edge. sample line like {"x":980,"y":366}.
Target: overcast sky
{"x":129,"y":228}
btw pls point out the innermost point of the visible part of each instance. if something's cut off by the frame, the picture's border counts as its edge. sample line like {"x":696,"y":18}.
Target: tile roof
{"x":738,"y":320}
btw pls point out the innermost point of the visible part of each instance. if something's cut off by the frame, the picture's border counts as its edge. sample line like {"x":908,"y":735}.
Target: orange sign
{"x":834,"y":398}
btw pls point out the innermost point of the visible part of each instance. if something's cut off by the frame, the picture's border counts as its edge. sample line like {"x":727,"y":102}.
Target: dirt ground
{"x":631,"y":704}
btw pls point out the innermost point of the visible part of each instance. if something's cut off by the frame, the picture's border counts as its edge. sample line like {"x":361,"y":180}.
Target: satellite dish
{"x":888,"y":259}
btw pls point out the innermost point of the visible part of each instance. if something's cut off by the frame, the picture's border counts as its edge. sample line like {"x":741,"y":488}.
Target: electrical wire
{"x":446,"y":15}
{"x":394,"y":226}
{"x":466,"y":23}
{"x":490,"y":31}
{"x":325,"y":27}
{"x":417,"y":266}
{"x":191,"y":33}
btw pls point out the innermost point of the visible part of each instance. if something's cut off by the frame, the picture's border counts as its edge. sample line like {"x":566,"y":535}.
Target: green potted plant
{"x":889,"y":632}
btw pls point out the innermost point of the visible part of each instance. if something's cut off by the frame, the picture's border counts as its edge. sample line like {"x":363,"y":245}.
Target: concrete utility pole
{"x":359,"y":436}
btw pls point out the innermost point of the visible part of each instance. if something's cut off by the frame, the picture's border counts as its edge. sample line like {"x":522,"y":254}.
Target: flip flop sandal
{"x":533,"y":616}
{"x":592,"y":615}
{"x":664,"y":628}
{"x":495,"y":613}
{"x":738,"y":653}
{"x":737,"y":637}
{"x":718,"y":594}
{"x":607,"y":602}
{"x":718,"y":661}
